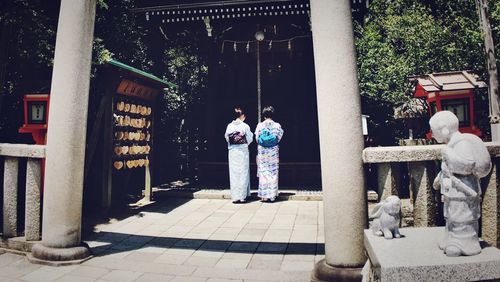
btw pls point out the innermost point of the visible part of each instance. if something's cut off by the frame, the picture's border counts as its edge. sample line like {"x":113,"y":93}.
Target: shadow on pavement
{"x":94,"y":216}
{"x":121,"y":242}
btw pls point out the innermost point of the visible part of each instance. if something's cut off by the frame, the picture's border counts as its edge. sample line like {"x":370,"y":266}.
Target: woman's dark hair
{"x":268,"y":112}
{"x":238,"y":112}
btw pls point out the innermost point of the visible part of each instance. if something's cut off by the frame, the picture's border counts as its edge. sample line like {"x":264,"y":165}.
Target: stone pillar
{"x":147,"y":184}
{"x":63,"y":189}
{"x":490,"y":210}
{"x":423,"y":195}
{"x":10,"y":187}
{"x":32,"y":206}
{"x":341,"y":141}
{"x":389,"y":180}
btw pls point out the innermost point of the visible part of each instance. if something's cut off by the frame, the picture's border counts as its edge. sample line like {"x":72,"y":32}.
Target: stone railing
{"x":422,"y":164}
{"x":14,"y":155}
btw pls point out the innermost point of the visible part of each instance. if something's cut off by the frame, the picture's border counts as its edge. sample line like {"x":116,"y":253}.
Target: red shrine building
{"x":450,"y":91}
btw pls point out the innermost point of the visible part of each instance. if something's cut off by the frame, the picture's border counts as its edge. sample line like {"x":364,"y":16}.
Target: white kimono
{"x":239,"y":161}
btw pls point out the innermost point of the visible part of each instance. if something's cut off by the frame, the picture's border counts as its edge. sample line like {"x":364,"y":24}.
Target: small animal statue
{"x":386,"y":217}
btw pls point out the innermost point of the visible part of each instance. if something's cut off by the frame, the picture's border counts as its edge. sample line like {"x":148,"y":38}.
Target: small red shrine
{"x":36,"y":115}
{"x":450,"y":91}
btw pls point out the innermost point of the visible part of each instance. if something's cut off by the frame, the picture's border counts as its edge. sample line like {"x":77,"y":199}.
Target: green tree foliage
{"x":186,"y":68}
{"x":117,"y":34}
{"x":27,"y":38}
{"x":181,"y":108}
{"x":27,"y":42}
{"x":400,"y":38}
{"x":495,"y":27}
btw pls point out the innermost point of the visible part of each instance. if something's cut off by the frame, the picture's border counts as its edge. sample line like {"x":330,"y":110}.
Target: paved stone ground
{"x":195,"y":240}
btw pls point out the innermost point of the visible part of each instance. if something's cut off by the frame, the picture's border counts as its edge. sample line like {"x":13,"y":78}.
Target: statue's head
{"x":392,"y":204}
{"x":443,"y":125}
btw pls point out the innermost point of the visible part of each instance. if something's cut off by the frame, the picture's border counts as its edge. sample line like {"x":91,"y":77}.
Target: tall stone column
{"x":341,"y":141}
{"x":62,"y":198}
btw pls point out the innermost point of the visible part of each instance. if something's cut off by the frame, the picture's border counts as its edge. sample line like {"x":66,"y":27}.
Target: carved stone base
{"x":59,"y":256}
{"x":323,"y":272}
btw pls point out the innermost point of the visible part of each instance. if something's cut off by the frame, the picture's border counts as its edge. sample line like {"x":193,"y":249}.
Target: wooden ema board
{"x":131,"y":134}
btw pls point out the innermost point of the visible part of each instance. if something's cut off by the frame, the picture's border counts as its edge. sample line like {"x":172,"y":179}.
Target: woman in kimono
{"x":238,"y":137}
{"x":268,"y":134}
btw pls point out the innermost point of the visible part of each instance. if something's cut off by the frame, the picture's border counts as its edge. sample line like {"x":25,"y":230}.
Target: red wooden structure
{"x":36,"y":115}
{"x":450,"y":91}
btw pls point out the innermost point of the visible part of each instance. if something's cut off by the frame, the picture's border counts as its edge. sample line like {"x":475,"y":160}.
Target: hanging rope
{"x":244,"y":45}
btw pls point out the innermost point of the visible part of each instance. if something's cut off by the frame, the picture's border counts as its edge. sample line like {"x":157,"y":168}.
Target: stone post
{"x":11,"y":169}
{"x":389,"y":180}
{"x":490,"y":210}
{"x":62,"y":198}
{"x":341,"y":141}
{"x":32,"y":201}
{"x":422,"y":194}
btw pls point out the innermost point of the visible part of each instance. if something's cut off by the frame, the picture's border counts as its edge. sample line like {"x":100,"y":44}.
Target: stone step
{"x":284,"y":194}
{"x":17,"y":245}
{"x":197,"y":193}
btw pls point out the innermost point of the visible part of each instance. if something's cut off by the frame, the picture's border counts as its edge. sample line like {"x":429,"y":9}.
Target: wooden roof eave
{"x":207,"y":4}
{"x":141,"y":74}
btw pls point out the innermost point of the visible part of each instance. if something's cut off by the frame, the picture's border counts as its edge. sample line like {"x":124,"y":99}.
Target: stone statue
{"x":465,"y":160}
{"x":386,"y":217}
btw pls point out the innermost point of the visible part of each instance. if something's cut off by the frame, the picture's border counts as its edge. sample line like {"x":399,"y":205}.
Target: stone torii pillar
{"x":341,"y":141}
{"x":62,"y":198}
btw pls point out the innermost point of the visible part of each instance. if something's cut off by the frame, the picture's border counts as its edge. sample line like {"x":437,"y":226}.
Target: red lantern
{"x":36,"y":115}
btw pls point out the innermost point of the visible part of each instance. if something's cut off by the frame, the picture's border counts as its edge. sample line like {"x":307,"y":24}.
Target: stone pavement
{"x":195,"y":240}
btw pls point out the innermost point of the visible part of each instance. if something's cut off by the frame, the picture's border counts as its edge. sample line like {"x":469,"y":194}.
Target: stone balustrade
{"x":423,"y":164}
{"x":12,"y":155}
